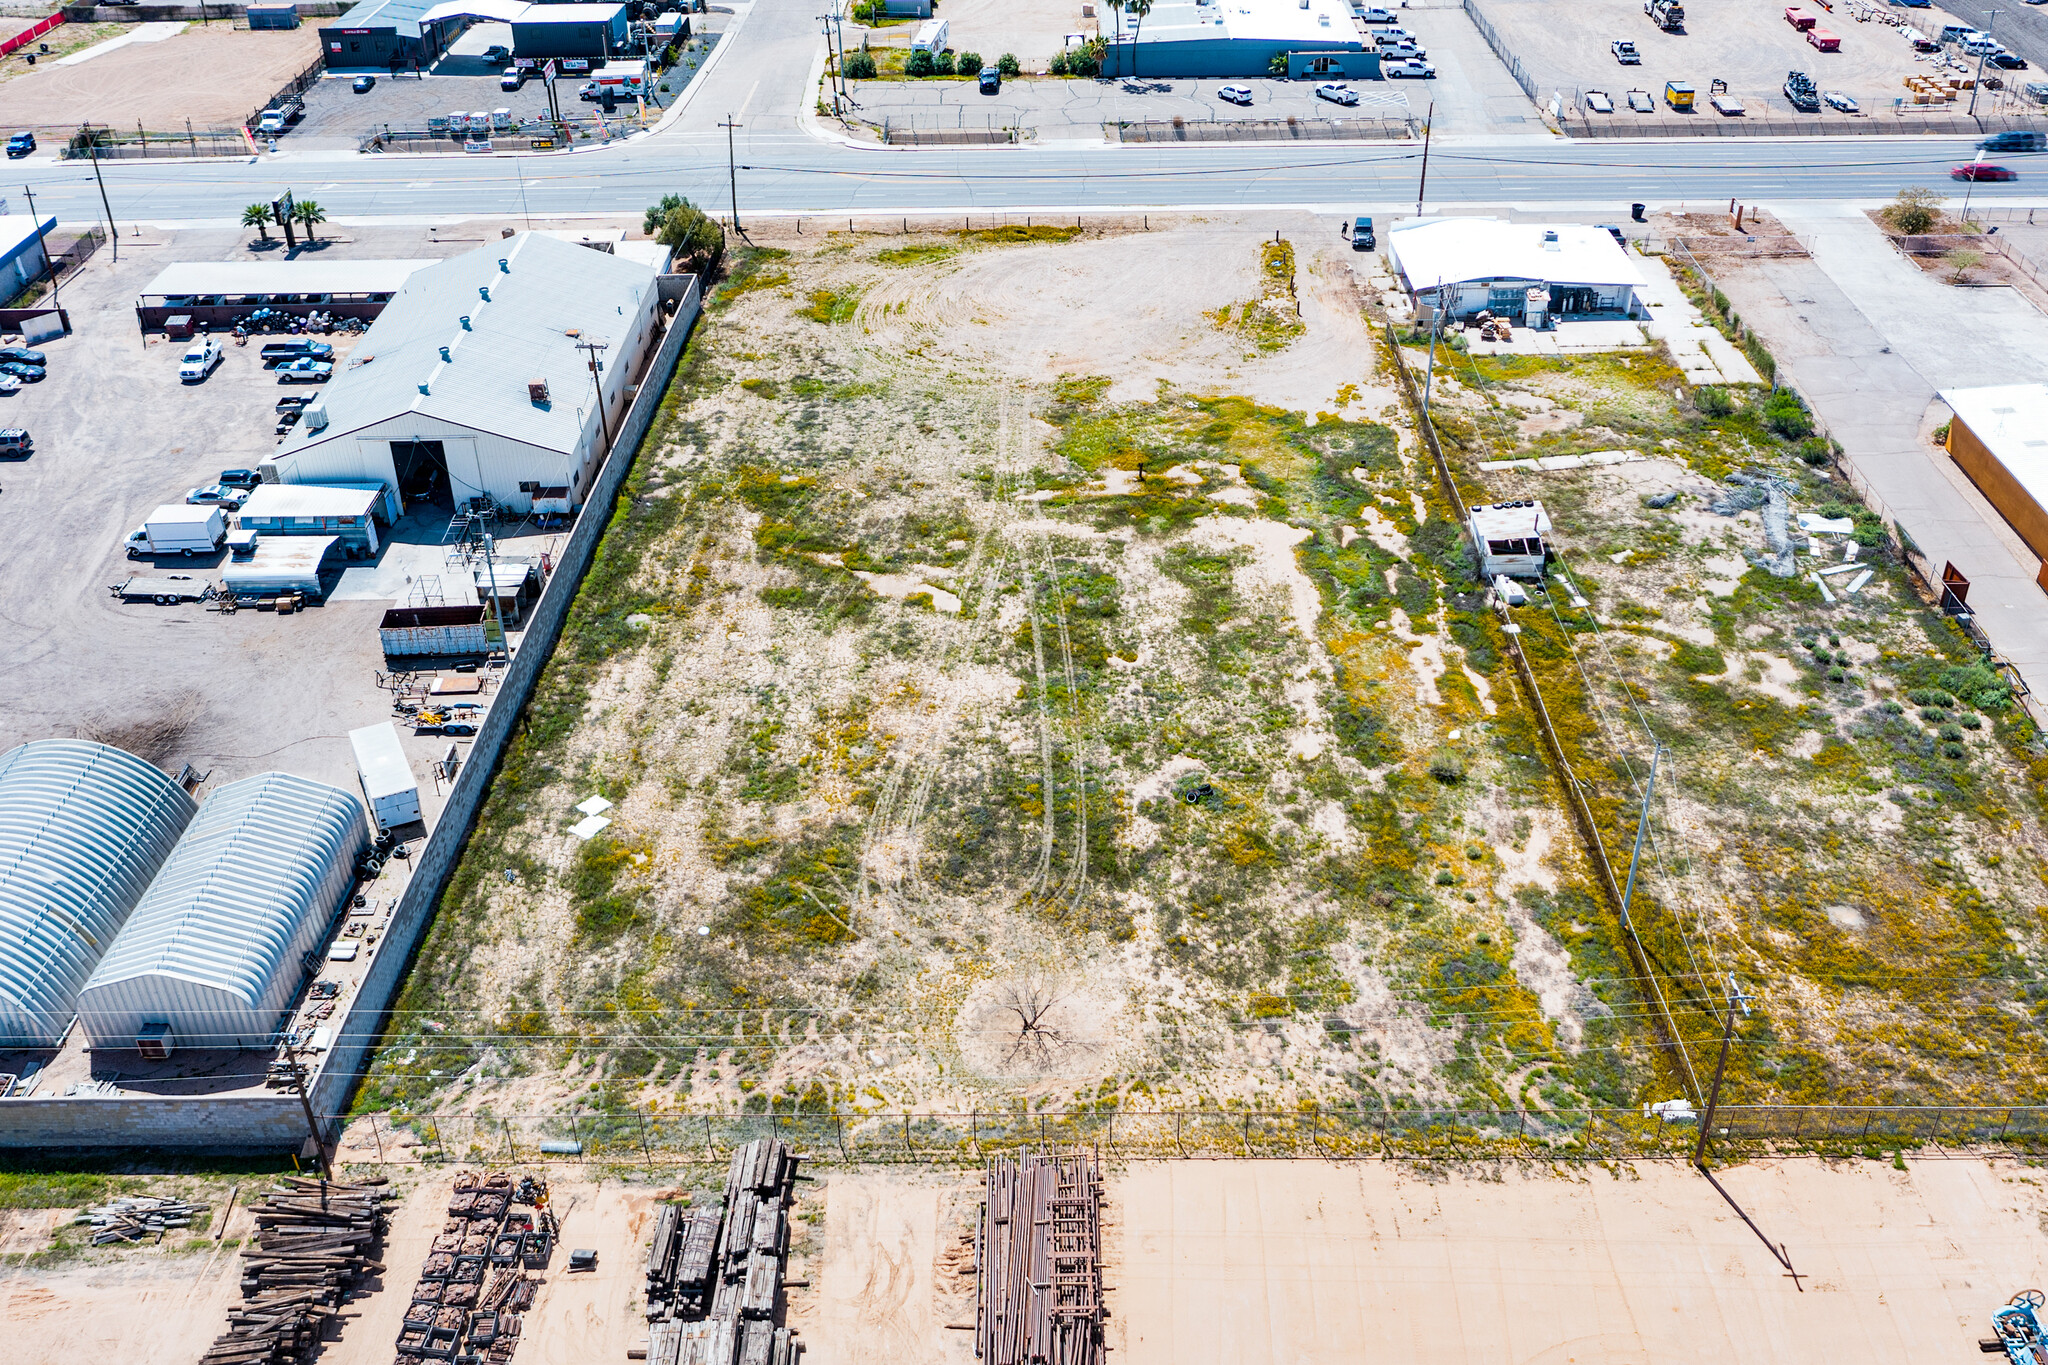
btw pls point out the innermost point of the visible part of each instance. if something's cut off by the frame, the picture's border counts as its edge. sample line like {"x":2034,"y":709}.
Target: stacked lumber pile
{"x":714,"y":1278}
{"x":1039,"y":1258}
{"x":474,"y":1289}
{"x":131,"y":1220}
{"x":314,"y":1243}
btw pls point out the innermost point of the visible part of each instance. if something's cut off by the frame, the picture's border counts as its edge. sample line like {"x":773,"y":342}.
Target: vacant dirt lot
{"x":213,"y":75}
{"x":1746,"y":43}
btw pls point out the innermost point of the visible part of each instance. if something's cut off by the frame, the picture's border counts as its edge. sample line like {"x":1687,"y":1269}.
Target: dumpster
{"x":1678,"y":94}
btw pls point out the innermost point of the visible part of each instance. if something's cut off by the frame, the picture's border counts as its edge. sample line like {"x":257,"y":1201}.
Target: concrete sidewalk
{"x":1867,"y":338}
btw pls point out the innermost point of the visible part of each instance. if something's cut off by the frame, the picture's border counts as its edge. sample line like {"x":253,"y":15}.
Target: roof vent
{"x":445,"y":356}
{"x":465,"y":323}
{"x":423,"y":388}
{"x":1550,"y":242}
{"x":504,"y":265}
{"x":485,"y":291}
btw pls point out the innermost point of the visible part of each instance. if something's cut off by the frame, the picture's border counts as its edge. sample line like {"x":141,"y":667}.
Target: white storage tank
{"x":388,"y":783}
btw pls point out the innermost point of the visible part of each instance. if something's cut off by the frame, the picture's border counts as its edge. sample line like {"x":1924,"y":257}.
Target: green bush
{"x":1447,"y":768}
{"x":1970,"y":720}
{"x":1934,"y":715}
{"x":1891,"y":708}
{"x":1951,"y":732}
{"x":1835,"y":674}
{"x":1786,"y":415}
{"x":968,"y":63}
{"x":920,"y":64}
{"x":860,"y":66}
{"x":1445,"y":879}
{"x":1815,"y":450}
{"x":1007,"y":64}
{"x":942,"y":65}
{"x":1954,"y":751}
{"x":693,"y":235}
{"x":1712,"y":401}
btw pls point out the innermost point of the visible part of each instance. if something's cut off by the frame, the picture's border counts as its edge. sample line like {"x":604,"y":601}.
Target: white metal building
{"x":473,"y":380}
{"x":306,"y":509}
{"x":214,"y":948}
{"x":83,"y":828}
{"x":1485,"y":264}
{"x":1237,"y":38}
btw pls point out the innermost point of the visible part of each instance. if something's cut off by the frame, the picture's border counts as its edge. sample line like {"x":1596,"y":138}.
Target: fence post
{"x":511,"y":1148}
{"x":707,"y":1135}
{"x":1247,"y":1133}
{"x":644,"y":1153}
{"x":839,"y":1131}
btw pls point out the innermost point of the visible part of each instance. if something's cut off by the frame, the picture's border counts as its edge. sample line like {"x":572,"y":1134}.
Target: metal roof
{"x":545,"y":295}
{"x":83,"y":827}
{"x":280,"y":562}
{"x":402,"y":15}
{"x":214,"y":948}
{"x":268,"y":500}
{"x":1466,"y":250}
{"x":282,"y":277}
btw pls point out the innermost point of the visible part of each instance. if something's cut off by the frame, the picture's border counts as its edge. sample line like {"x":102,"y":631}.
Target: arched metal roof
{"x":215,"y":945}
{"x":83,"y":827}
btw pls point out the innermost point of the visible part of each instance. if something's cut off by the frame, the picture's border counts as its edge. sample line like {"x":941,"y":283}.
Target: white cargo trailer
{"x":388,"y":783}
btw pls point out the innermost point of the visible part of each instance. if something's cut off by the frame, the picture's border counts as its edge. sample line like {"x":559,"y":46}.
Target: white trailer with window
{"x":388,"y":783}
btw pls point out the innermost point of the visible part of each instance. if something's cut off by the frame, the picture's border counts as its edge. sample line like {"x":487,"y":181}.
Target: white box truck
{"x":179,"y":528}
{"x":931,"y":37}
{"x":388,"y":783}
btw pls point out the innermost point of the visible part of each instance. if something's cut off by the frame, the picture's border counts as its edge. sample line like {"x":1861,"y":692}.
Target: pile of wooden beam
{"x":314,"y":1243}
{"x":714,"y":1277}
{"x":1039,"y":1259}
{"x":131,"y":1220}
{"x":474,"y":1288}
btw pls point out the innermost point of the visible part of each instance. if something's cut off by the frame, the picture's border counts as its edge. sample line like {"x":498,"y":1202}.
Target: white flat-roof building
{"x":2000,"y":439}
{"x":1475,"y":264}
{"x":348,"y":513}
{"x":1237,"y":38}
{"x":475,"y":380}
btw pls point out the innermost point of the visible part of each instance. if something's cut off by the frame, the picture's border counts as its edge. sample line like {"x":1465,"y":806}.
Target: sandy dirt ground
{"x":165,"y":1308}
{"x":884,"y":1284}
{"x":213,"y":75}
{"x":1299,"y":1263}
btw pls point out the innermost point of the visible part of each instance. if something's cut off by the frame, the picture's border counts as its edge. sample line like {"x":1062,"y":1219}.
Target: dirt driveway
{"x":213,"y":75}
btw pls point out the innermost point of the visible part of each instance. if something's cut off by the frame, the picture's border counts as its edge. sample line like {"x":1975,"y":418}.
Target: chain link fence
{"x":641,"y":1138}
{"x":1508,"y":59}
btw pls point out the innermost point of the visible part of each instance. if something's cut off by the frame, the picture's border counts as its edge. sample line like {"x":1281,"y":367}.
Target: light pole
{"x":1982,"y":52}
{"x":43,"y":247}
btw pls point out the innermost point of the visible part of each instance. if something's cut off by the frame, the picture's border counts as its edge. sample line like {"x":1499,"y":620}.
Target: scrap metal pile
{"x":714,"y":1276}
{"x":131,"y":1220}
{"x":474,"y":1288}
{"x":314,"y":1243}
{"x":1039,"y":1259}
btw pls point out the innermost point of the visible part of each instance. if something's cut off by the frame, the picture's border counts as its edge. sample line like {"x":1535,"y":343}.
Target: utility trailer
{"x":1668,"y":15}
{"x":166,"y":590}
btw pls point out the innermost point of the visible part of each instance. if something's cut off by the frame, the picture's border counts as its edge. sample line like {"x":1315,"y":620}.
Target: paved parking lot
{"x":116,"y":434}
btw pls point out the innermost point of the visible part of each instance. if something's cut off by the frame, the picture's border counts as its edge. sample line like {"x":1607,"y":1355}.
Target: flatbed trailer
{"x":164,"y":589}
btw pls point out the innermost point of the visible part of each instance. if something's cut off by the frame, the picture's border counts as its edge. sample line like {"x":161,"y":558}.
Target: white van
{"x":931,"y":37}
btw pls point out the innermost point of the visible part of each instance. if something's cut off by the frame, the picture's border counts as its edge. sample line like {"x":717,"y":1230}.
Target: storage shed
{"x":286,"y":564}
{"x":348,"y":513}
{"x":1509,"y":539}
{"x":2000,"y":439}
{"x":388,"y":783}
{"x":83,"y":828}
{"x":215,"y":949}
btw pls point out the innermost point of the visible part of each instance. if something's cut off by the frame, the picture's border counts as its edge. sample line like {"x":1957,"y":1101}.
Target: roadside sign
{"x":548,"y":72}
{"x":541,"y":144}
{"x":281,"y":209}
{"x":479,"y":145}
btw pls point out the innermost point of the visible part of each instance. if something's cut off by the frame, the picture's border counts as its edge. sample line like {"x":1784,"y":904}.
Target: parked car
{"x":512,"y":78}
{"x":9,"y":385}
{"x":1625,"y":53}
{"x":217,"y":494}
{"x":15,"y":441}
{"x":2007,"y":61}
{"x":1362,"y":238}
{"x":1982,"y":171}
{"x":990,"y":80}
{"x":1403,"y":51}
{"x":1235,"y":94}
{"x":589,"y":91}
{"x":1396,"y":36}
{"x":1413,"y":68}
{"x":239,"y":478}
{"x":32,"y":373}
{"x":497,"y":53}
{"x":1599,"y":101}
{"x":1375,"y":16}
{"x":22,"y":355}
{"x":1336,"y":93}
{"x":304,"y":371}
{"x":296,"y":348}
{"x":21,"y":144}
{"x":363,"y":85}
{"x":292,"y":402}
{"x":201,"y":355}
{"x":289,"y":419}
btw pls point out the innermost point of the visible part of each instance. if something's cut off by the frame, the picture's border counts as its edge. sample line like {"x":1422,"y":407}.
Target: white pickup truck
{"x":179,"y":528}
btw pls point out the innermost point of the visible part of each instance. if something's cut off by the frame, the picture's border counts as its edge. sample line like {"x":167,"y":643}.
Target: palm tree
{"x":257,"y":216}
{"x":308,"y":213}
{"x":1139,"y":9}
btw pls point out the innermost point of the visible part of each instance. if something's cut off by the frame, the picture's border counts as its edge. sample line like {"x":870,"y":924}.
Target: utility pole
{"x":305,"y":1103}
{"x":1427,"y":120}
{"x":732,"y":171}
{"x":592,"y":347}
{"x":48,"y":264}
{"x":1991,"y":15}
{"x":1436,"y":325}
{"x":113,"y":232}
{"x":1736,"y":998}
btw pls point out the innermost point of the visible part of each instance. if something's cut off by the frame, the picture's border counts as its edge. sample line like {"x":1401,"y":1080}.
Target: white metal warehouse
{"x":83,"y":828}
{"x":475,"y":379}
{"x":214,"y":949}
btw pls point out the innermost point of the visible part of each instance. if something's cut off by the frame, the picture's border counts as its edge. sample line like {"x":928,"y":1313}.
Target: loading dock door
{"x":422,"y":470}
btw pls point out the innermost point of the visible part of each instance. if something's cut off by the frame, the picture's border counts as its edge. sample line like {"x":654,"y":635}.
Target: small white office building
{"x":1470,"y":265}
{"x":476,"y":378}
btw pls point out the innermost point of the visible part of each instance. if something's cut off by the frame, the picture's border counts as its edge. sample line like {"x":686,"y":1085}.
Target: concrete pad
{"x":141,"y":33}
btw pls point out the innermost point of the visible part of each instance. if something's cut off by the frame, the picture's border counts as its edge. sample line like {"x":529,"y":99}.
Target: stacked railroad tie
{"x":131,"y":1220}
{"x":1039,"y":1261}
{"x":714,"y":1278}
{"x":474,"y":1288}
{"x":314,"y":1243}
